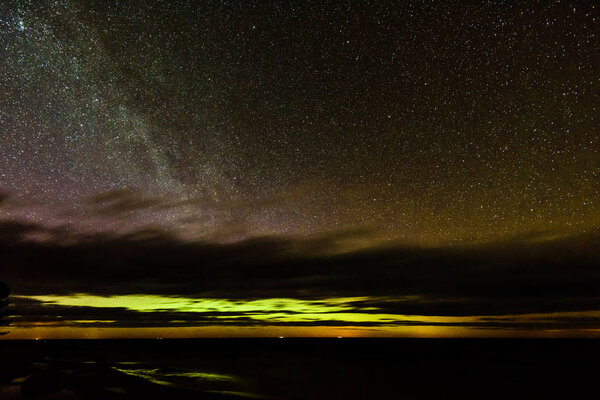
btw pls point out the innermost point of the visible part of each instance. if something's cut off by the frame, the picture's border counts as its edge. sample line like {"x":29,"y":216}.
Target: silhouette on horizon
{"x":4,"y":292}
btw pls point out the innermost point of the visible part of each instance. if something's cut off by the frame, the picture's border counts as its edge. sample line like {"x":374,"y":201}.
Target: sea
{"x":297,"y":368}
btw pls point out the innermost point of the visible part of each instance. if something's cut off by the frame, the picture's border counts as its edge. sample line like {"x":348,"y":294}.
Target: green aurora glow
{"x":286,"y":310}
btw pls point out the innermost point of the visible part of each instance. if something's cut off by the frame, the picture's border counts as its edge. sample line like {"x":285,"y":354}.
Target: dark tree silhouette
{"x":4,"y":291}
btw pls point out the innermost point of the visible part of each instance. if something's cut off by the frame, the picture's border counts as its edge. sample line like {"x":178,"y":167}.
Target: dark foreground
{"x":299,"y":369}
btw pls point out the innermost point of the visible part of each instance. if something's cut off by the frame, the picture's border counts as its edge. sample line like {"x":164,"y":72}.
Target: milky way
{"x":424,"y":122}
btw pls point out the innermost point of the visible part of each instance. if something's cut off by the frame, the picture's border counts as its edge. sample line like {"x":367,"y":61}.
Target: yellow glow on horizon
{"x":421,"y":331}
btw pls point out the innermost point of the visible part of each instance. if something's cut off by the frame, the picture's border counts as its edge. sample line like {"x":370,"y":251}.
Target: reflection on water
{"x":190,"y":380}
{"x":292,"y":369}
{"x":80,"y":378}
{"x":154,"y":374}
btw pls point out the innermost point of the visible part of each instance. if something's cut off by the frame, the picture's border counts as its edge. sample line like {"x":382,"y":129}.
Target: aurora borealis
{"x":307,"y":168}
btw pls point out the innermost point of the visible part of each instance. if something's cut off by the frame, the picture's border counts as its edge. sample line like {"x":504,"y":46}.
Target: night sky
{"x":310,"y":168}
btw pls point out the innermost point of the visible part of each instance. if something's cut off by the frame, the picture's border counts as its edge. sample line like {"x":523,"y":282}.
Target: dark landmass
{"x":299,"y":369}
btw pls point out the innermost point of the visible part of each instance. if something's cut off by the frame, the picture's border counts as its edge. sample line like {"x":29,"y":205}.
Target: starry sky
{"x":304,"y":131}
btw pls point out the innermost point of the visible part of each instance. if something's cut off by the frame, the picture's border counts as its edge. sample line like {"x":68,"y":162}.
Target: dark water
{"x":300,"y":369}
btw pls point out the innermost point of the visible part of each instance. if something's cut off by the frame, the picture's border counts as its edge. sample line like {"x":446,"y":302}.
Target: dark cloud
{"x":4,"y":196}
{"x":15,"y":231}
